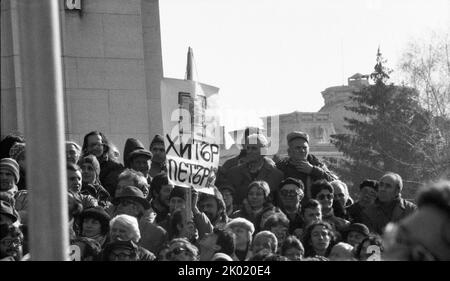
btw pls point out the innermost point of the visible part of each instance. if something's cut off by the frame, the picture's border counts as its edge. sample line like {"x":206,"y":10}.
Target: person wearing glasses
{"x":290,"y":195}
{"x":425,"y":234}
{"x":11,"y":242}
{"x":389,"y":205}
{"x":323,"y":192}
{"x":302,"y":165}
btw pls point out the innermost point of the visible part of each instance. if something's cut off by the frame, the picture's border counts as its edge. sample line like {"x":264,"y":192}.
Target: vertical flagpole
{"x":40,"y":56}
{"x":189,"y":76}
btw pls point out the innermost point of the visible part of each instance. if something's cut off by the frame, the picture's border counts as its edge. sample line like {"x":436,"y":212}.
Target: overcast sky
{"x":277,"y":56}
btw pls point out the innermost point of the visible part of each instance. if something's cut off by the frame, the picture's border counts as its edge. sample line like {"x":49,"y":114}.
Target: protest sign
{"x":192,"y":132}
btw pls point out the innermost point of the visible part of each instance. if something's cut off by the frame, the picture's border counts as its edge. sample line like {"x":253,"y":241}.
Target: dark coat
{"x":319,"y":171}
{"x":376,"y":217}
{"x":239,"y":177}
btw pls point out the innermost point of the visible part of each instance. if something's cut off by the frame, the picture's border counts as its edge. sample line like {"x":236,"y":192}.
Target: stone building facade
{"x":112,"y":67}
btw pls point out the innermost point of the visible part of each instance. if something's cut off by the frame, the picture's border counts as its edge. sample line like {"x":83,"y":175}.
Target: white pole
{"x":41,"y":67}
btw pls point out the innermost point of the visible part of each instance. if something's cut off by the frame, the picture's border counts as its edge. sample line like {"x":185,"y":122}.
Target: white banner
{"x":192,"y":132}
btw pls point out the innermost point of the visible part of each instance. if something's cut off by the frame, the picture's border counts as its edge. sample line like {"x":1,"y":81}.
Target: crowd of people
{"x":261,"y":208}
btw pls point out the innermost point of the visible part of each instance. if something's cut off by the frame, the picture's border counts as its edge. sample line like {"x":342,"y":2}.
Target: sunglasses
{"x":325,"y":196}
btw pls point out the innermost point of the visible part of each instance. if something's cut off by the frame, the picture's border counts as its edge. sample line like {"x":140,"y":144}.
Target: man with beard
{"x":157,"y":148}
{"x":214,"y":207}
{"x":160,"y":190}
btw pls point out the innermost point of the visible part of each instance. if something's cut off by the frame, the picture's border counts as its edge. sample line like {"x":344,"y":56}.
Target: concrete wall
{"x":112,"y":65}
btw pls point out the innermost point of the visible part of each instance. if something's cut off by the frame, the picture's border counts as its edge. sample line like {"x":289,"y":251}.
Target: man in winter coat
{"x":301,"y":164}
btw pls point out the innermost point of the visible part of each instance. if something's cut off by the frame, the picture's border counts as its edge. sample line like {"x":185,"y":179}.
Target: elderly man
{"x":290,"y":196}
{"x":256,"y":168}
{"x":389,"y":206}
{"x":301,"y":164}
{"x":425,"y":234}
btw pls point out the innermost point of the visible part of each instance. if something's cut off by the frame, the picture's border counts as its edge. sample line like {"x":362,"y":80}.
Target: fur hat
{"x":11,"y":165}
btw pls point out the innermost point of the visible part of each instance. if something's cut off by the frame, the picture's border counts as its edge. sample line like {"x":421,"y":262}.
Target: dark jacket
{"x":378,"y":215}
{"x":98,"y":192}
{"x":239,"y":177}
{"x":109,"y":174}
{"x":319,"y":171}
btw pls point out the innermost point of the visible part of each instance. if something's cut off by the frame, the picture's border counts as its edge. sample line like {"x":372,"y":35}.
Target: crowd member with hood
{"x":258,"y":199}
{"x":319,"y":239}
{"x":90,"y":180}
{"x":74,"y":183}
{"x":227,"y":191}
{"x":389,"y":205}
{"x":160,"y":190}
{"x":217,"y":245}
{"x":126,"y":228}
{"x":73,"y":152}
{"x":256,"y":168}
{"x":214,"y":207}
{"x":367,"y":194}
{"x":131,"y":201}
{"x":9,"y":177}
{"x":97,"y":144}
{"x":136,"y":157}
{"x":243,"y":229}
{"x":17,"y":152}
{"x":158,"y":149}
{"x":177,"y":200}
{"x":290,"y":195}
{"x":301,"y":164}
{"x":11,"y":241}
{"x":323,"y":192}
{"x":94,"y":224}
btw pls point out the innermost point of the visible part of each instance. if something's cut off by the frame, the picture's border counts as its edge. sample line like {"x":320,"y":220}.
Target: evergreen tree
{"x":390,"y":136}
